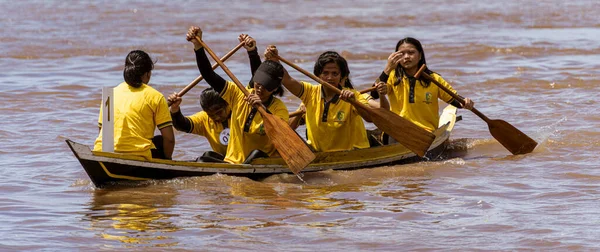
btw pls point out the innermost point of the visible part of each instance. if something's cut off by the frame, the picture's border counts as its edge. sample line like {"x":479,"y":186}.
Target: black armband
{"x":254,"y":61}
{"x":253,"y":53}
{"x":384,"y":77}
{"x":374,"y":93}
{"x":456,"y":103}
{"x":180,"y":122}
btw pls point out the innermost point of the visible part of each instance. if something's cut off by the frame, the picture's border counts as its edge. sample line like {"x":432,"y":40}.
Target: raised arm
{"x":391,"y":64}
{"x":212,"y":78}
{"x":294,"y":86}
{"x":253,"y":56}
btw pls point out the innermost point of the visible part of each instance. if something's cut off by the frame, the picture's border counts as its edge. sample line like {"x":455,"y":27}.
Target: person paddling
{"x":247,"y":137}
{"x":331,"y":124}
{"x":213,"y":122}
{"x":415,"y":99}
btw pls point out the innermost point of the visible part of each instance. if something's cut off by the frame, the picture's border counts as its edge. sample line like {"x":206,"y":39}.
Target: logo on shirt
{"x":224,"y":136}
{"x":340,"y":116}
{"x":428,"y":97}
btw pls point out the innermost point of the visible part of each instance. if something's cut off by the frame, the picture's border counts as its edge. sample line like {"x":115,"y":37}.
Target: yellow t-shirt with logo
{"x":424,"y":110}
{"x":203,"y":125}
{"x":335,"y":126}
{"x":138,"y":112}
{"x":244,"y":140}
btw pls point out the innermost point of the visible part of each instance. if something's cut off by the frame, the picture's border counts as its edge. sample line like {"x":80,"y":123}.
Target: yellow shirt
{"x":423,"y":109}
{"x":367,"y":97}
{"x":246,"y":138}
{"x":204,"y":126}
{"x":138,"y":112}
{"x":333,"y":126}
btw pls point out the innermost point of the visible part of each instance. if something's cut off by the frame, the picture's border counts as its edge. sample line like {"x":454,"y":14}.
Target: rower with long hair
{"x":331,"y":123}
{"x":415,"y":99}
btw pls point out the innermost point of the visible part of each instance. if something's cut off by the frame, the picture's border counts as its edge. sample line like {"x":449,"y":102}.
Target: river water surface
{"x":534,"y":64}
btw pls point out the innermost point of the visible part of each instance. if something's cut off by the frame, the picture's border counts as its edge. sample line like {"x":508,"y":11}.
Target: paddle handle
{"x":299,"y":112}
{"x":200,"y":78}
{"x":455,"y":96}
{"x":419,"y":72}
{"x":367,"y":90}
{"x":296,"y":113}
{"x":237,"y":82}
{"x":322,"y":82}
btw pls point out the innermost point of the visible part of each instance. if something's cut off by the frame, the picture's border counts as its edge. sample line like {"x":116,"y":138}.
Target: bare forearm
{"x":294,"y":86}
{"x":294,"y":122}
{"x":383,"y":102}
{"x":168,"y":141}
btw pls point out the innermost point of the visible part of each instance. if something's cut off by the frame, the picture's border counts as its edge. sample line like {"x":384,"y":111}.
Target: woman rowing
{"x":415,"y":99}
{"x":332,"y":125}
{"x":214,"y":119}
{"x":247,"y":138}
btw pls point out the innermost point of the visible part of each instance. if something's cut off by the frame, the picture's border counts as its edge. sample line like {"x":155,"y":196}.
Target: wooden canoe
{"x":106,"y":168}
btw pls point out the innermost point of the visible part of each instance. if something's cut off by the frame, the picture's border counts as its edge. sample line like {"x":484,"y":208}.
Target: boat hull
{"x":109,"y":168}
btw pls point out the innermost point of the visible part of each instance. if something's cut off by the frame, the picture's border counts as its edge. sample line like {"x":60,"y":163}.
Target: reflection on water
{"x":382,"y":189}
{"x":411,"y":192}
{"x":239,"y":208}
{"x":228,"y":208}
{"x":134,"y":216}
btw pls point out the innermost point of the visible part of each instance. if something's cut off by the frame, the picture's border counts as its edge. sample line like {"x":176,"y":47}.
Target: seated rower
{"x":213,"y":122}
{"x":138,"y":110}
{"x":248,"y":138}
{"x":331,"y":125}
{"x":415,"y":99}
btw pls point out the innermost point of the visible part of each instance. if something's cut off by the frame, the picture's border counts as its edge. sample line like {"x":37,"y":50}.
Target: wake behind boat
{"x":106,"y":168}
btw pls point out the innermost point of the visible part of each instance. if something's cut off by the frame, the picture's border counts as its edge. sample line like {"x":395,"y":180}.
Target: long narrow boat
{"x":106,"y":168}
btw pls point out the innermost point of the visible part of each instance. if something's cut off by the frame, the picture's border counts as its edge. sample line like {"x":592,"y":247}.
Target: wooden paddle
{"x":200,"y":78}
{"x":510,"y":137}
{"x":299,"y":112}
{"x":405,"y":132}
{"x":290,"y":146}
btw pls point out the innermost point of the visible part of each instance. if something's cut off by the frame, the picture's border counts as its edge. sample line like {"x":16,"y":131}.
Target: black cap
{"x":269,"y":74}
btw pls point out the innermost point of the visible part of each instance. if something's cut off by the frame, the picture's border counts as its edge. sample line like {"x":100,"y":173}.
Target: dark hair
{"x":210,"y":97}
{"x":400,"y":70}
{"x":333,"y":57}
{"x":137,"y":63}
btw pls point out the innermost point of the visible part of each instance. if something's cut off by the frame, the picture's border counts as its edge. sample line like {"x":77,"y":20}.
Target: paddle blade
{"x":404,"y":131}
{"x":511,"y":138}
{"x":290,"y":146}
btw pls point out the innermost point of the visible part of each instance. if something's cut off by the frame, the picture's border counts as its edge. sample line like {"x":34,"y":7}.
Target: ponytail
{"x":137,"y":63}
